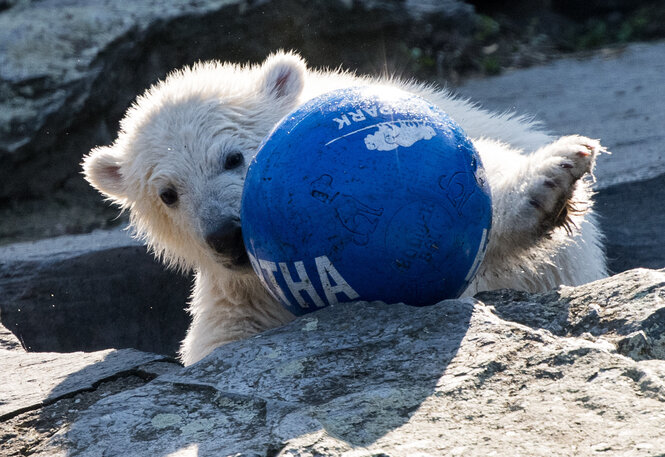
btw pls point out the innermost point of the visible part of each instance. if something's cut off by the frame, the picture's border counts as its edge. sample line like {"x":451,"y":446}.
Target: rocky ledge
{"x":577,"y":371}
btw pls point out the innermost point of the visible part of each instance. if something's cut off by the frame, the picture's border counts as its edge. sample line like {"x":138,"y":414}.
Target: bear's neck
{"x":242,"y":291}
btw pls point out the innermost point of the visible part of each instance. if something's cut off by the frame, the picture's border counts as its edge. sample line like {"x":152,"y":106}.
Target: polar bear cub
{"x":179,"y":162}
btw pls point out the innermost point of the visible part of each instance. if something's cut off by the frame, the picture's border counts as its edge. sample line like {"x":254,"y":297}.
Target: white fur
{"x":179,"y":132}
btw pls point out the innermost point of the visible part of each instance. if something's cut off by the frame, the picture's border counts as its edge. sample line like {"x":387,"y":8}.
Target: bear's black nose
{"x":227,"y":238}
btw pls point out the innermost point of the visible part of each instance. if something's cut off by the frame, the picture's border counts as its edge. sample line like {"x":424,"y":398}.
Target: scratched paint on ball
{"x":366,"y":195}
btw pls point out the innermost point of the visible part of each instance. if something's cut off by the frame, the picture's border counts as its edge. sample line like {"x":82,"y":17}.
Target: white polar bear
{"x":179,"y":163}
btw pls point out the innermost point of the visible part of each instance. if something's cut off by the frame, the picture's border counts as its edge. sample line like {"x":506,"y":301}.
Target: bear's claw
{"x":551,"y":195}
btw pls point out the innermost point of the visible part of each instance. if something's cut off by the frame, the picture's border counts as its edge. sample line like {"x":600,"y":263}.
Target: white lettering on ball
{"x":328,"y":271}
{"x":331,"y":281}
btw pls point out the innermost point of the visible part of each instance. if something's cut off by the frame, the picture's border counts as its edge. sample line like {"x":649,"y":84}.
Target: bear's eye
{"x":169,"y":196}
{"x":233,"y":160}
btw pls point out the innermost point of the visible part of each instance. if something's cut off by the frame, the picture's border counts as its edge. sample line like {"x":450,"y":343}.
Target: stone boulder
{"x":30,"y":381}
{"x":90,"y":292}
{"x":632,"y":219}
{"x":40,"y":392}
{"x":68,"y":71}
{"x":578,"y":371}
{"x":607,"y":95}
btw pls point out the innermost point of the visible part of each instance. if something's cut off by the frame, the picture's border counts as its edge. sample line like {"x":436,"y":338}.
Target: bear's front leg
{"x":213,"y":324}
{"x":549,"y":194}
{"x":227,"y":307}
{"x":541,"y":192}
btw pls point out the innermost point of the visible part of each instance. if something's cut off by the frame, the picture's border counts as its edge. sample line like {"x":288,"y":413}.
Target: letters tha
{"x":301,"y":287}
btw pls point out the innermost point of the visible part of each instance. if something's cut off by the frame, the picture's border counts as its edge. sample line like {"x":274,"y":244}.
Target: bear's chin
{"x":239,"y":263}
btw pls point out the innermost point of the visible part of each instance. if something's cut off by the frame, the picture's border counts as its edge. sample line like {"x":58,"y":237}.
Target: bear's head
{"x":179,"y":162}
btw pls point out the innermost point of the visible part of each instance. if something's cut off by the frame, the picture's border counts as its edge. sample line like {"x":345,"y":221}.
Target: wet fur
{"x":177,"y":134}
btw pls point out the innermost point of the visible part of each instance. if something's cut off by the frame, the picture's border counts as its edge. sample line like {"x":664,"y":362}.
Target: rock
{"x":421,"y":9}
{"x":596,"y":311}
{"x":69,"y":71}
{"x":40,"y":392}
{"x":8,"y":341}
{"x":608,"y":96}
{"x":513,"y":374}
{"x":632,"y":219}
{"x":31,"y":380}
{"x":91,"y":292}
{"x":595,"y":7}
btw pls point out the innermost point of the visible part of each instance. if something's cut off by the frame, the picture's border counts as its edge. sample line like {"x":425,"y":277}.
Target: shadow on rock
{"x":117,"y":297}
{"x":355,"y":371}
{"x":374,"y":377}
{"x":596,"y":310}
{"x":539,"y":311}
{"x":632,"y":219}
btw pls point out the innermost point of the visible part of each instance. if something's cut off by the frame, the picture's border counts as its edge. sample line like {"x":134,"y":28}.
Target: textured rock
{"x":41,"y":392}
{"x":632,"y":219}
{"x":594,"y":7}
{"x":597,"y":312}
{"x":514,"y":374}
{"x":609,"y":96}
{"x":8,"y":341}
{"x":69,"y":70}
{"x":91,"y":292}
{"x":31,"y":380}
{"x":51,"y":59}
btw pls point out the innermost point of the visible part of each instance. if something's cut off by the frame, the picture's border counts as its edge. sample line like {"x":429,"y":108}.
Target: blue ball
{"x":366,"y":193}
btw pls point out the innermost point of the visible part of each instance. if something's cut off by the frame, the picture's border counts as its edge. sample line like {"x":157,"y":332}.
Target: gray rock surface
{"x":8,"y":341}
{"x":69,"y":70}
{"x":612,"y":96}
{"x":32,"y":380}
{"x":51,"y":59}
{"x":41,"y":392}
{"x":577,"y":372}
{"x":632,"y":219}
{"x":91,"y":292}
{"x":619,"y":309}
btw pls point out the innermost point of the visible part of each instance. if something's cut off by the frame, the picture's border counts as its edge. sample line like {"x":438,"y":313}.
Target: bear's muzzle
{"x":226,"y":240}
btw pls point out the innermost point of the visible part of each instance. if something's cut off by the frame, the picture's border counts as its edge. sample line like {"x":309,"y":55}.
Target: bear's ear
{"x":283,"y":76}
{"x":102,"y":170}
